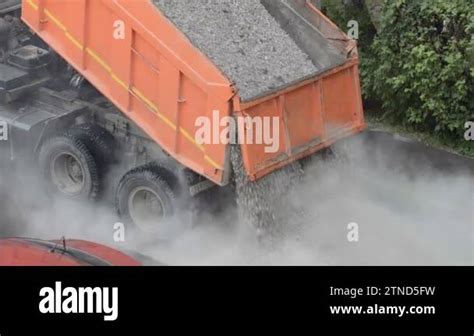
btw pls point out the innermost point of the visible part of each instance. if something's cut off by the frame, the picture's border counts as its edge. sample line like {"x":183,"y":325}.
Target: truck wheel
{"x":69,"y":168}
{"x":145,"y":198}
{"x":100,"y":142}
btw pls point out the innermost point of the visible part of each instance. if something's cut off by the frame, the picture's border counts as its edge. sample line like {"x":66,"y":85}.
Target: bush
{"x":420,"y":66}
{"x":341,"y":12}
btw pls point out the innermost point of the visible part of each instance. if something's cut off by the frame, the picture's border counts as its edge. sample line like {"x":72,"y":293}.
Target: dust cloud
{"x":412,"y":206}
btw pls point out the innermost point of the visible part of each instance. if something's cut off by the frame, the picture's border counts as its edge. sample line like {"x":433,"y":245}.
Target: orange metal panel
{"x":303,"y":115}
{"x":339,"y":101}
{"x":316,"y":114}
{"x":153,"y":74}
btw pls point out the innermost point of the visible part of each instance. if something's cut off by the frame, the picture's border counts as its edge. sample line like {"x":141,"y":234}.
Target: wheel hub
{"x":146,"y":209}
{"x":67,"y":174}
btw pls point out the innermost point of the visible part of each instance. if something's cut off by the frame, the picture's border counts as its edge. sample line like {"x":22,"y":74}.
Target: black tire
{"x":69,"y":168}
{"x":99,"y":141}
{"x":145,"y":197}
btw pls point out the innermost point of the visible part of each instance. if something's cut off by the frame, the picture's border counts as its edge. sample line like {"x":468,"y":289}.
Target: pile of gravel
{"x":243,"y":40}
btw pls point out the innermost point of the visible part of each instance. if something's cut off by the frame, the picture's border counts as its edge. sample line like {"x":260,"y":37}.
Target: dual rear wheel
{"x":146,"y":198}
{"x":75,"y":165}
{"x":69,"y":168}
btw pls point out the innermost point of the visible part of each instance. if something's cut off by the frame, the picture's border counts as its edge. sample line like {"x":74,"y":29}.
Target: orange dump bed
{"x":153,"y":73}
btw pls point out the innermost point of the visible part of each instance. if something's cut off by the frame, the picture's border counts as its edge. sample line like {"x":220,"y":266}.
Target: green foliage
{"x":421,"y":65}
{"x":342,"y":12}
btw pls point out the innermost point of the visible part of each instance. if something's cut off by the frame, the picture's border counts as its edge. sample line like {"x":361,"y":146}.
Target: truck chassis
{"x":59,"y":122}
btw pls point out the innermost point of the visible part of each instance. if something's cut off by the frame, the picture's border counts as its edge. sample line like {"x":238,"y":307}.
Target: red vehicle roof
{"x":35,"y":252}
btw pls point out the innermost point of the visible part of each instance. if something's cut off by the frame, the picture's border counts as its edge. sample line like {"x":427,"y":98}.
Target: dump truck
{"x":89,"y":85}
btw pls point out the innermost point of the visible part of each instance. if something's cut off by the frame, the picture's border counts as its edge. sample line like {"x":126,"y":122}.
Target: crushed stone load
{"x":268,"y":205}
{"x":243,"y":40}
